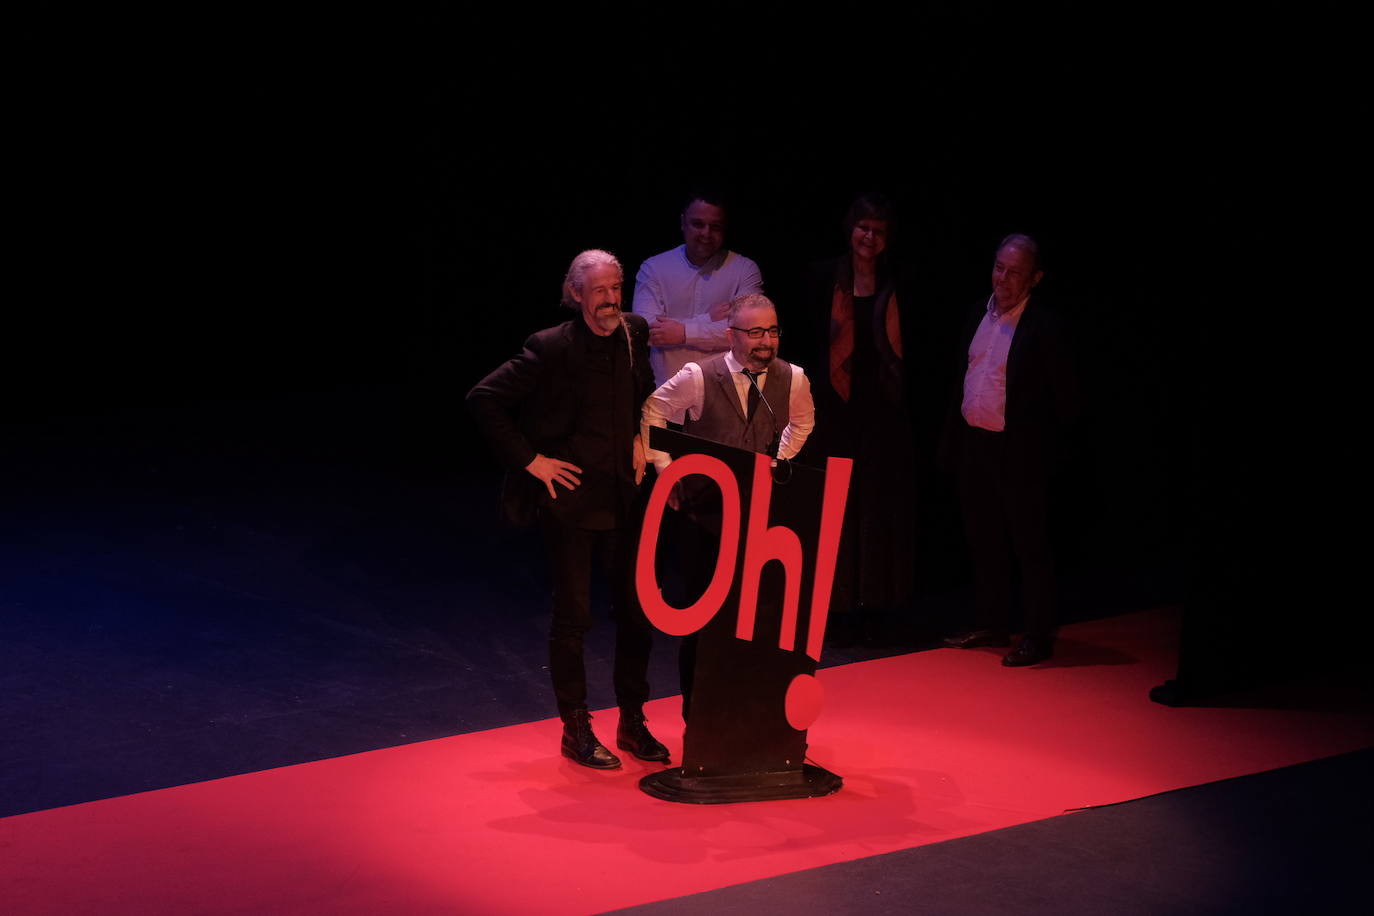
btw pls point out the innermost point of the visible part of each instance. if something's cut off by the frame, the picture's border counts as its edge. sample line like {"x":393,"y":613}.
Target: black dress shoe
{"x":580,"y":744}
{"x":633,"y":736}
{"x":975,"y":639}
{"x":1029,"y":652}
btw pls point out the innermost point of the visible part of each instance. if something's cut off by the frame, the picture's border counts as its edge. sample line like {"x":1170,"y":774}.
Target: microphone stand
{"x":776,"y":443}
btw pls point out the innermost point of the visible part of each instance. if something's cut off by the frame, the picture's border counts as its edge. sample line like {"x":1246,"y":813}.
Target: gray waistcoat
{"x":722,"y":417}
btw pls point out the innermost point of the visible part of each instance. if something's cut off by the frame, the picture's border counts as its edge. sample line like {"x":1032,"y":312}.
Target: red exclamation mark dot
{"x":803,"y":701}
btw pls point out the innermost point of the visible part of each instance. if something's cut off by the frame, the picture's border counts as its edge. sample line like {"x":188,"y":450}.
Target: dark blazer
{"x":531,"y":405}
{"x":1042,"y":391}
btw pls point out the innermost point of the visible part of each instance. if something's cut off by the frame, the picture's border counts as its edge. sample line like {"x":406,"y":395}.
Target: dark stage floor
{"x":195,"y":592}
{"x":1288,"y":841}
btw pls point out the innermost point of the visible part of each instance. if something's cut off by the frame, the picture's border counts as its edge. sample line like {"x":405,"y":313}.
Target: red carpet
{"x":932,"y":746}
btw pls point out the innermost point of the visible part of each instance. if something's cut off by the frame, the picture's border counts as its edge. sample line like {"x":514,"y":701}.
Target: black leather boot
{"x":580,"y":744}
{"x":633,"y":735}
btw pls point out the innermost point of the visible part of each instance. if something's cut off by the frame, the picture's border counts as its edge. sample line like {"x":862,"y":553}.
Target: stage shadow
{"x":1071,"y":653}
{"x":880,"y":806}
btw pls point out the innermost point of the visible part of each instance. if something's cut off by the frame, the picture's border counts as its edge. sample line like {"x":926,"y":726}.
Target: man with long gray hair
{"x":563,"y":417}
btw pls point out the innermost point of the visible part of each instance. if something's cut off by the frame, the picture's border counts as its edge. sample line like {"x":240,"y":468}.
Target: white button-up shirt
{"x":670,"y":286}
{"x":685,"y":393}
{"x":985,"y":382}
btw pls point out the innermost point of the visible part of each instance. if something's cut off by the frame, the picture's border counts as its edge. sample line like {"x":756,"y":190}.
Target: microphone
{"x":753,"y":377}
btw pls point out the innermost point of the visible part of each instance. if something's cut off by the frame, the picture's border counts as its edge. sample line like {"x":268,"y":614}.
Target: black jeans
{"x":573,"y":553}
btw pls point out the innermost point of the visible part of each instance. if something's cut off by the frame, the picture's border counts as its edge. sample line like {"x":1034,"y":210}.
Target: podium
{"x":760,"y":623}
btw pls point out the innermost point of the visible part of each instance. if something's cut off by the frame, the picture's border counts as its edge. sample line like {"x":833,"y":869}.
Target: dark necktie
{"x":753,"y":393}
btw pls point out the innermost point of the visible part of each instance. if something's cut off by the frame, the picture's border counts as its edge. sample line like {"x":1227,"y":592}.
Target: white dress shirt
{"x":985,"y":381}
{"x":685,"y":393}
{"x":670,"y":286}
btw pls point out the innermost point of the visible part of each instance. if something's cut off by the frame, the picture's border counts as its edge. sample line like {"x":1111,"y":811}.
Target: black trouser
{"x":1006,"y":520}
{"x":572,"y":553}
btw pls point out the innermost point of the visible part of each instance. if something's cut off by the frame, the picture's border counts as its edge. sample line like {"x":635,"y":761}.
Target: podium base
{"x":808,"y":782}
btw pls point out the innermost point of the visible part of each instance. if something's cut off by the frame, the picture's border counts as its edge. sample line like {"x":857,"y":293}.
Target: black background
{"x":249,"y":205}
{"x":239,"y":207}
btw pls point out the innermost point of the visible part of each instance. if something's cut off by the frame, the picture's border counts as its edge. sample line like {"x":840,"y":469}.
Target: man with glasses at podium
{"x":745,"y":397}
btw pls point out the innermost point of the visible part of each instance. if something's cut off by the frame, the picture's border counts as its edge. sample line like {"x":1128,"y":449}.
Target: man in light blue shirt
{"x":686,"y":292}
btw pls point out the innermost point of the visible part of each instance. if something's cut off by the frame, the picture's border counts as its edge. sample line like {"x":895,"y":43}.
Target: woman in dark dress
{"x":859,"y":383}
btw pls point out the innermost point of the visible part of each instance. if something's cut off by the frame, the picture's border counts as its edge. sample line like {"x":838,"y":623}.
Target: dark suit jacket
{"x":1042,"y":392}
{"x":532,"y":403}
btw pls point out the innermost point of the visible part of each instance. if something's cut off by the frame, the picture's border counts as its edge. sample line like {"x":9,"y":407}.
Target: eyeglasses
{"x":756,"y":333}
